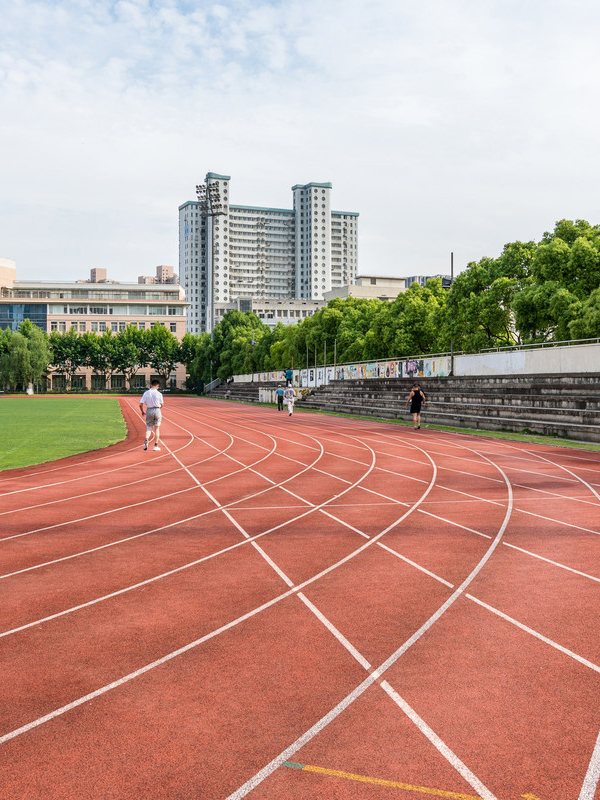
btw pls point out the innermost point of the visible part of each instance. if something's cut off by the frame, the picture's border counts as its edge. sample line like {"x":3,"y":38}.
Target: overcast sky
{"x":447,"y":124}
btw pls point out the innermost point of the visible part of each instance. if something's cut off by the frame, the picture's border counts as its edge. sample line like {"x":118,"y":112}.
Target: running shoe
{"x":156,"y":447}
{"x":145,"y":444}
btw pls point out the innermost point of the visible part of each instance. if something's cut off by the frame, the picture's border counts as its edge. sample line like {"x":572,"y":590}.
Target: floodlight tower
{"x":210,"y":205}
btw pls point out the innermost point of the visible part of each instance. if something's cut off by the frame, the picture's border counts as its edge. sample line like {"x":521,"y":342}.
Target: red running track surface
{"x":304,"y":607}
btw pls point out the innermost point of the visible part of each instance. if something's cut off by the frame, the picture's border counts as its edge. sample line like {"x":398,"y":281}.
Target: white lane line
{"x":520,"y":510}
{"x":275,"y":763}
{"x":566,"y":469}
{"x":154,"y":530}
{"x":416,"y":566}
{"x":523,"y":486}
{"x":474,"y":497}
{"x":100,"y":514}
{"x":343,"y":522}
{"x":392,"y":551}
{"x":439,"y":745}
{"x":590,"y":783}
{"x":246,"y":535}
{"x":116,"y":487}
{"x":535,"y":634}
{"x":87,"y":476}
{"x":554,"y":563}
{"x":338,"y":635}
{"x":192,"y":645}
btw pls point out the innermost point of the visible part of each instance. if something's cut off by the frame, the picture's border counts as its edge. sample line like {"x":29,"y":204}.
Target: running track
{"x":300,"y":608}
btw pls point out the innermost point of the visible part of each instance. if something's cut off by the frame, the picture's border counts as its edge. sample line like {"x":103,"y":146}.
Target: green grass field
{"x":38,"y":429}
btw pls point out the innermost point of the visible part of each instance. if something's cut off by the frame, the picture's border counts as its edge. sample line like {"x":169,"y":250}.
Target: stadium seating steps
{"x":565,"y":406}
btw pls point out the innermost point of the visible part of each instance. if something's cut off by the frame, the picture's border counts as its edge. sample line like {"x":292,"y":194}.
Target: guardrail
{"x":212,"y":385}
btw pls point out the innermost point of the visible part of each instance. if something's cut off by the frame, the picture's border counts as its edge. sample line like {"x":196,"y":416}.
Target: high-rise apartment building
{"x":264,"y":253}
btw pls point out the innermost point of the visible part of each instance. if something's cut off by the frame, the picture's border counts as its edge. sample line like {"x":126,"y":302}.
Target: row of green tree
{"x":28,"y":353}
{"x":533,"y":292}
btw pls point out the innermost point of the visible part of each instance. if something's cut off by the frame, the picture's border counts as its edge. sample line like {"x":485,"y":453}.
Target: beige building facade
{"x":369,"y":287}
{"x":95,"y":307}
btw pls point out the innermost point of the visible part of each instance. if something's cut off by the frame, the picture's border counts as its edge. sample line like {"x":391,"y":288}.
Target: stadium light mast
{"x":210,"y":205}
{"x":451,"y":318}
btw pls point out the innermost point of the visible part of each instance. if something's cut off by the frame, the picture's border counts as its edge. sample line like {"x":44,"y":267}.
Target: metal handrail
{"x":212,"y":385}
{"x":562,"y":343}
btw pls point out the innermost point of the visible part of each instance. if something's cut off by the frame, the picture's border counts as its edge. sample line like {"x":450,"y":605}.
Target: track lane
{"x":419,"y":512}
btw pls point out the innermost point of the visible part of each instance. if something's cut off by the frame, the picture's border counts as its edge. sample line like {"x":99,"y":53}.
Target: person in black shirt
{"x":416,"y":399}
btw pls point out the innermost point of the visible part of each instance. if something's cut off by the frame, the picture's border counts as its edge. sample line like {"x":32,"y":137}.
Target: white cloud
{"x":448,"y":125}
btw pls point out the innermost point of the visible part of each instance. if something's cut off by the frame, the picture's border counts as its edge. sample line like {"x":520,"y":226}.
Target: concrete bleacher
{"x":565,"y":406}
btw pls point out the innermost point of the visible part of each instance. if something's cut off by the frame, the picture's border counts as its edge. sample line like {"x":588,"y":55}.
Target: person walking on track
{"x":289,"y":396}
{"x":153,"y":400}
{"x":416,"y":399}
{"x":279,"y":392}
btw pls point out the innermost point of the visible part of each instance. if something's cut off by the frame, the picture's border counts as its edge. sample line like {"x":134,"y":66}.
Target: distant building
{"x":265,"y":253}
{"x":271,"y":312}
{"x":370,"y":287}
{"x":164,"y":274}
{"x":92,"y":306}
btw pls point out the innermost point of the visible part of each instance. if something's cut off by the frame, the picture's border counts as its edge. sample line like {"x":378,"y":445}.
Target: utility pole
{"x":451,"y":318}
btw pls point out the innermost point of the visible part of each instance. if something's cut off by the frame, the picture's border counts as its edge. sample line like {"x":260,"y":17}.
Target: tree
{"x":131,"y":351}
{"x":565,"y":270}
{"x":199,"y":365}
{"x":163,"y":350}
{"x":101,"y":352}
{"x":24,"y":355}
{"x":68,"y":353}
{"x":479,"y":307}
{"x":415,"y":320}
{"x":585,"y":323}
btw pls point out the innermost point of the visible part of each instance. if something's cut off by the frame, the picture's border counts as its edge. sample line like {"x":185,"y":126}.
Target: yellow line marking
{"x":530,"y":797}
{"x":395,"y":784}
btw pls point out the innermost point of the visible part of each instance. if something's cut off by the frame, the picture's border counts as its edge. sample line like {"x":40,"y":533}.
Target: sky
{"x":449,"y":125}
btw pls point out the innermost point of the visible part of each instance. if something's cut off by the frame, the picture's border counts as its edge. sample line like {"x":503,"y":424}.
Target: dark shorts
{"x":415,"y":408}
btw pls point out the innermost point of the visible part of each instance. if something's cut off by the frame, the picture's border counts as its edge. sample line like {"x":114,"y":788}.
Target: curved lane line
{"x":192,"y":645}
{"x":251,"y":784}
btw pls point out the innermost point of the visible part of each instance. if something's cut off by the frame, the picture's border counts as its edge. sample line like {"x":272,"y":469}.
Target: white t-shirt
{"x":152,"y":398}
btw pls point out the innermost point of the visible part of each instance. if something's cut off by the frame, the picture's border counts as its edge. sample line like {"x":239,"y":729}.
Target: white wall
{"x":554,"y":360}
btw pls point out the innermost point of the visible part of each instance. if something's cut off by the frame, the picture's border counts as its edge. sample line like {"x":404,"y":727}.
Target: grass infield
{"x":38,"y":429}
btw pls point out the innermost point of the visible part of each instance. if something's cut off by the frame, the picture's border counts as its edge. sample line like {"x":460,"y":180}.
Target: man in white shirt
{"x":153,"y":400}
{"x":289,"y":395}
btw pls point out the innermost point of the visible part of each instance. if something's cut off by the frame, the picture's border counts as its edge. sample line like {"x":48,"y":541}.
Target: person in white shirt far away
{"x":153,"y":400}
{"x":289,"y":396}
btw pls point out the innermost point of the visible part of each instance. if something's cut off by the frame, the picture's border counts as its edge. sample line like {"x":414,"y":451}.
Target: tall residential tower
{"x":264,"y":253}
